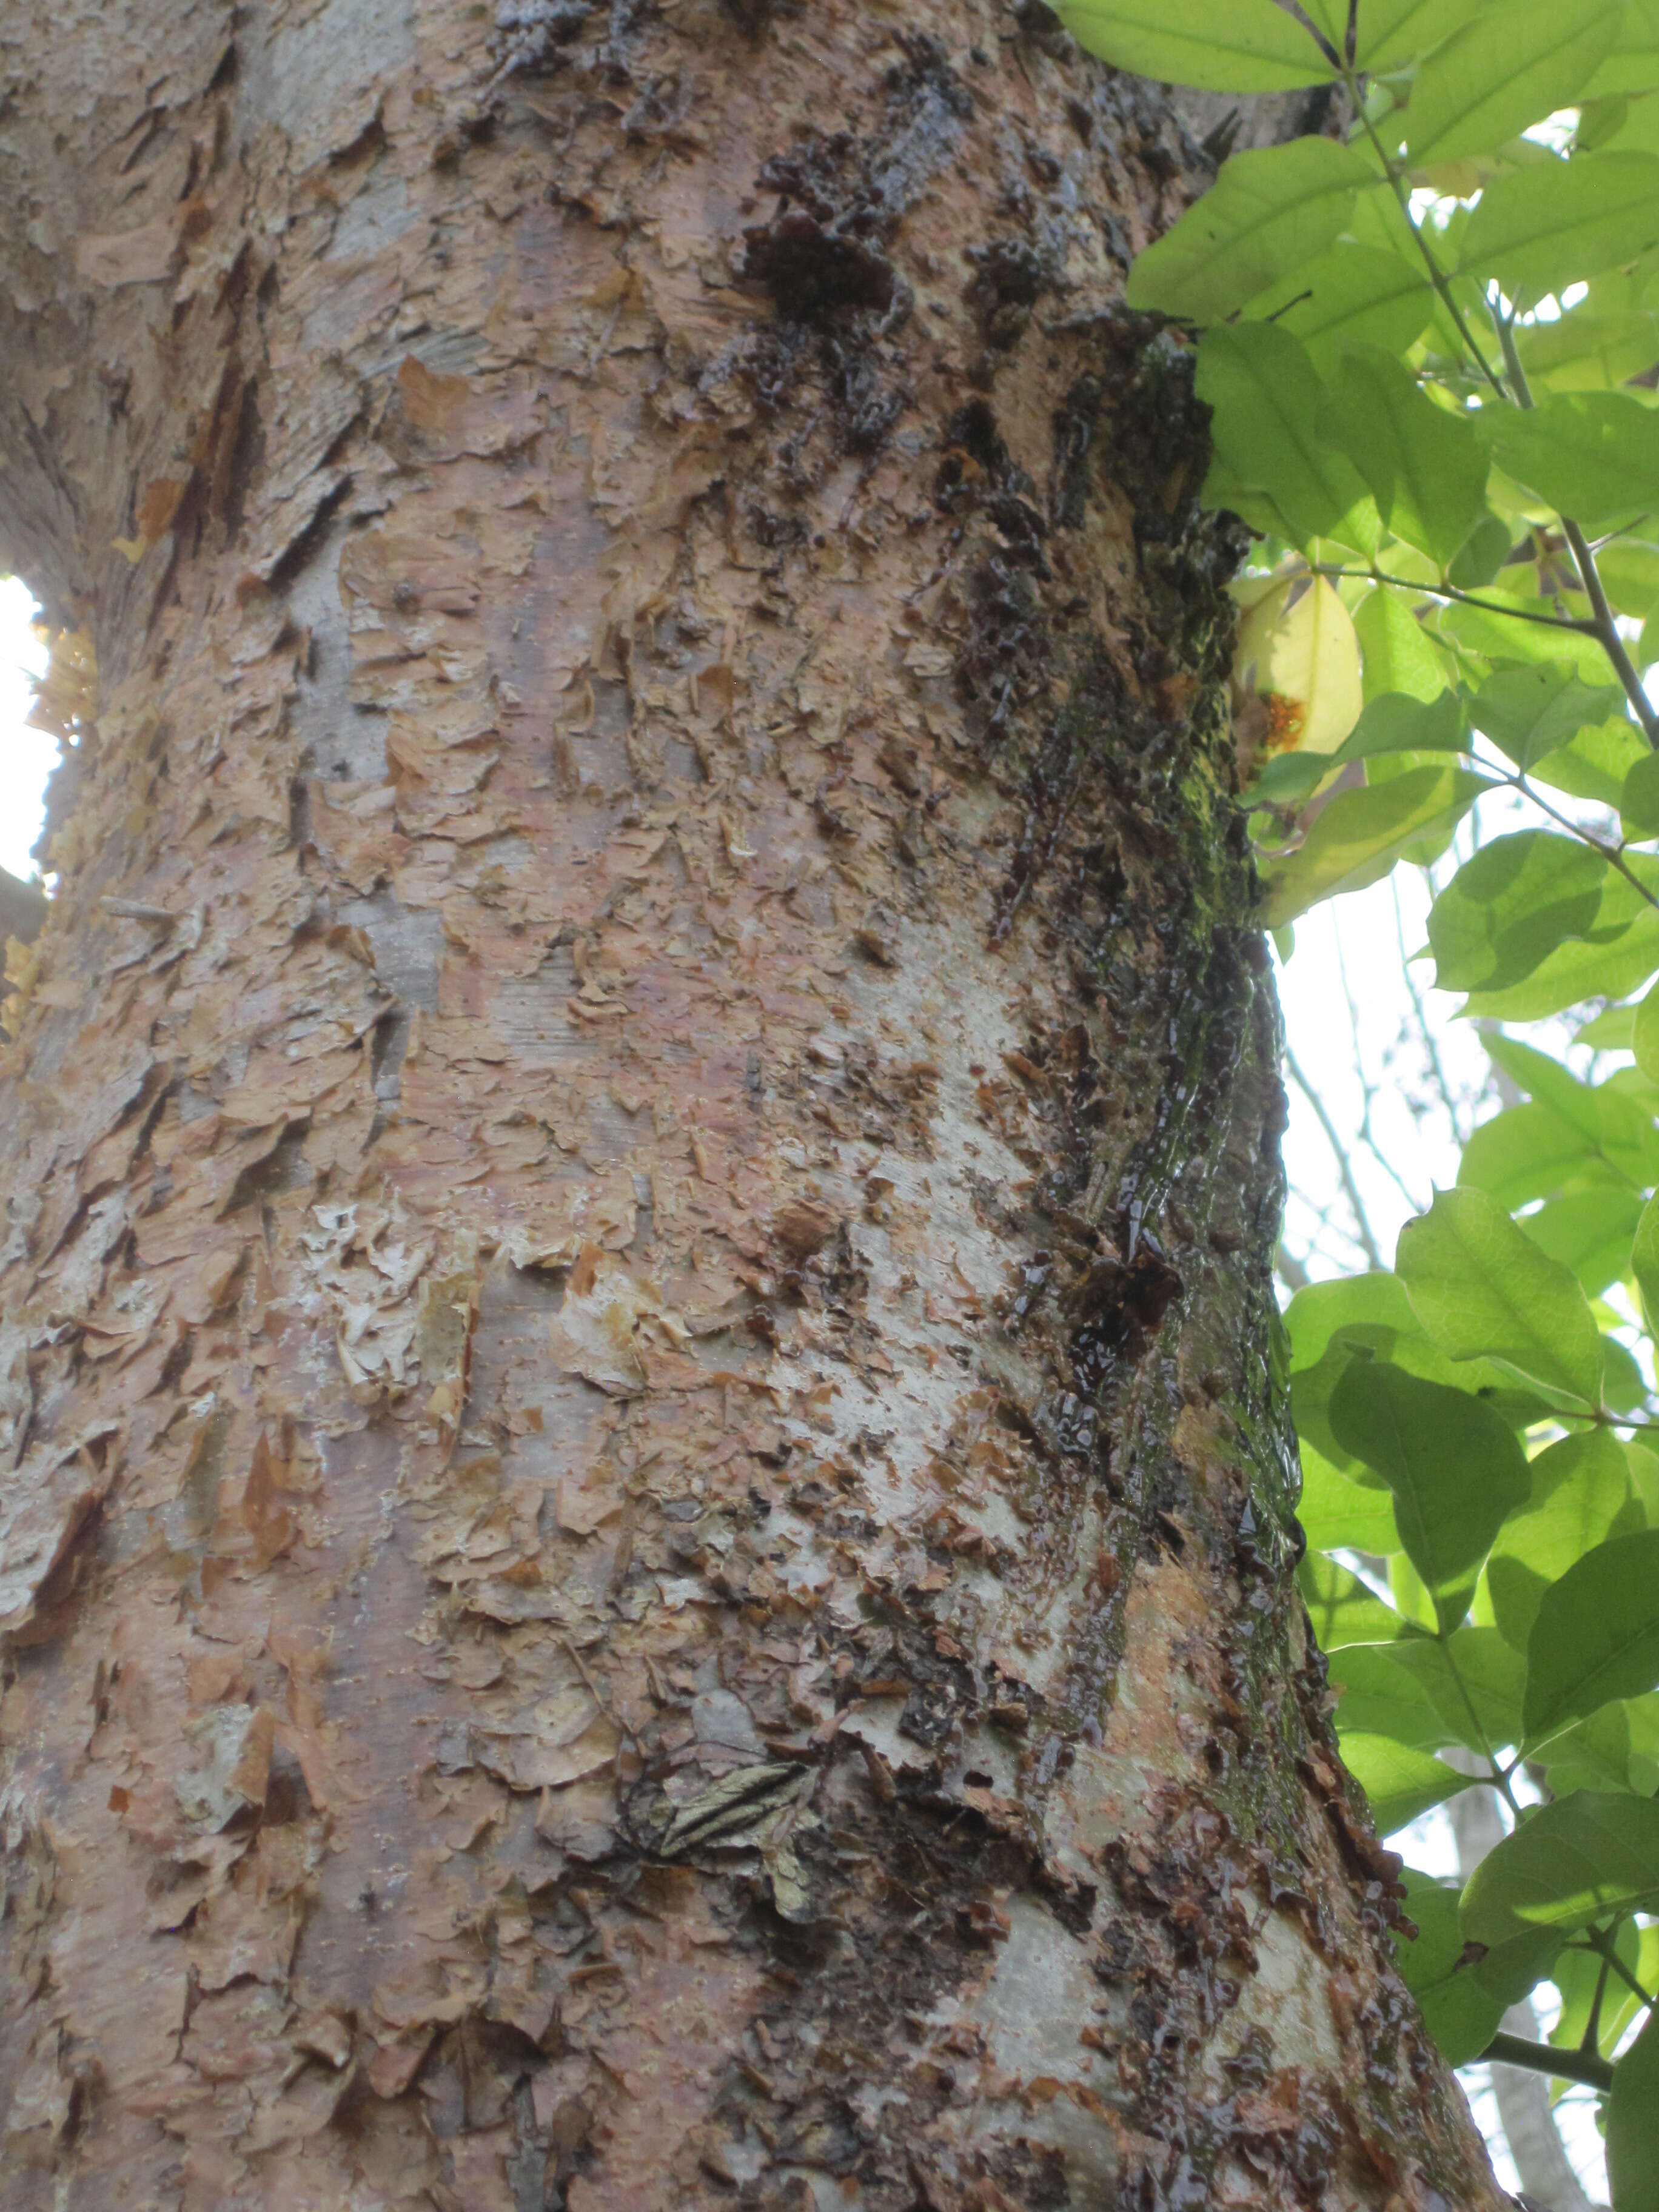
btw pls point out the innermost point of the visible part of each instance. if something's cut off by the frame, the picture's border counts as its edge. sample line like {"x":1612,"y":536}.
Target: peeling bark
{"x":647,"y":1544}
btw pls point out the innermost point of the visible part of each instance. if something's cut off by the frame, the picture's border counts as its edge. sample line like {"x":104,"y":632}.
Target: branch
{"x":1582,"y":623}
{"x":1544,"y":2058}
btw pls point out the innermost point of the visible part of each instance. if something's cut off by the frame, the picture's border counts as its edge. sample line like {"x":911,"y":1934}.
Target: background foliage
{"x":1428,"y":330}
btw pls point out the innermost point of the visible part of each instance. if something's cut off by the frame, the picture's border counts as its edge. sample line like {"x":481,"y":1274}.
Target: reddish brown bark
{"x":646,"y":1556}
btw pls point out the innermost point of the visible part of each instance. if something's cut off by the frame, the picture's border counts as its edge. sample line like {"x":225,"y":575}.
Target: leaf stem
{"x":1605,"y":624}
{"x":1607,"y":1950}
{"x":1582,"y":623}
{"x":1438,"y":277}
{"x":1584,"y":2066}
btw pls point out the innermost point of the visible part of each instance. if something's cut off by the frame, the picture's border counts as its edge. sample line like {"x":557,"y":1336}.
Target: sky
{"x":1393,"y":1069}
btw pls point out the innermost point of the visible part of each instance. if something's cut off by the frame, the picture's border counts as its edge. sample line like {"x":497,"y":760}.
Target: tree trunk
{"x":647,"y":1557}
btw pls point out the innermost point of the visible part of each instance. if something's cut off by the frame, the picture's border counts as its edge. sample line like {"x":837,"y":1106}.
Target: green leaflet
{"x":1638,"y":800}
{"x":1616,"y":1125}
{"x":1541,"y":229}
{"x":1505,"y":69}
{"x":1217,"y":45}
{"x":1590,"y":348}
{"x":1360,"y":834}
{"x":1350,"y":291}
{"x":1452,"y":1462}
{"x":1265,"y":395}
{"x":1507,"y":910}
{"x":1268,"y":211}
{"x":1461,"y":2016}
{"x":1527,"y":1153}
{"x":1482,"y":1289}
{"x":1591,"y":1854}
{"x":1530,"y":712}
{"x":1644,"y":1259}
{"x":1593,"y":455}
{"x":1618,"y":953}
{"x":1377,"y":1695}
{"x":1580,"y":1489}
{"x":1590,"y":1232}
{"x":1424,"y":466}
{"x":1398,"y":653}
{"x":1633,"y":2124}
{"x":1341,"y":1608}
{"x":1400,"y":1783}
{"x":1392,"y":31}
{"x":1338,"y":1515}
{"x":1644,"y":1036}
{"x":1594,"y":1754}
{"x":1633,"y":64}
{"x":1596,"y":1636}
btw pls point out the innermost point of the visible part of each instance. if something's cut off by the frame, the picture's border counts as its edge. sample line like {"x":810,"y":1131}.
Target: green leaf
{"x":1530,"y":713}
{"x":1260,"y":384}
{"x":1360,"y":834}
{"x":1461,"y":2017}
{"x":1401,"y":1784}
{"x":1639,"y":802}
{"x":1519,"y":628}
{"x":1527,"y":1153}
{"x":1596,"y":1637}
{"x":1216,"y":46}
{"x":1337,"y":1514}
{"x":1452,"y":1462}
{"x":1595,"y":764}
{"x":1617,"y":1127}
{"x":1392,"y":723}
{"x":1633,"y":64}
{"x":1341,"y":1608}
{"x":1590,"y":1232}
{"x":1377,"y":1695}
{"x":1350,"y":291}
{"x":1594,"y":1754}
{"x":1425,"y":466}
{"x":1268,"y":211}
{"x":1482,"y":555}
{"x":1644,"y":1260}
{"x":1593,"y":455}
{"x":1482,"y":1289}
{"x":1616,"y":956}
{"x":1586,"y":1856}
{"x":1633,"y":2124}
{"x":1392,"y":31}
{"x":1397,"y":650}
{"x":1588,"y":349}
{"x":1543,"y":228}
{"x":1580,"y":1488}
{"x":1504,"y":71}
{"x":1507,"y":908}
{"x":1475,"y":1681}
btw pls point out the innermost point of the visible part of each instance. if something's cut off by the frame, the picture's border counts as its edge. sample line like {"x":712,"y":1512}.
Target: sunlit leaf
{"x":1593,"y":455}
{"x":1507,"y":908}
{"x":1378,"y":1695}
{"x":1262,"y":386}
{"x":1349,"y":291}
{"x":1530,"y":712}
{"x":1217,"y":45}
{"x":1589,"y":1232}
{"x":1297,"y":648}
{"x":1401,"y":1784}
{"x":1540,"y":229}
{"x":1360,"y":834}
{"x":1482,"y":1289}
{"x":1425,"y":466}
{"x":1337,"y":1514}
{"x":1633,"y":2124}
{"x":1397,"y":654}
{"x":1568,"y":1863}
{"x":1392,"y":723}
{"x":1502,"y":70}
{"x":1268,"y":211}
{"x":1580,"y":1488}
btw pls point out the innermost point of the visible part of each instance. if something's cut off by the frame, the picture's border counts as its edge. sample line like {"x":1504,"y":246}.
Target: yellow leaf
{"x":1299,"y":654}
